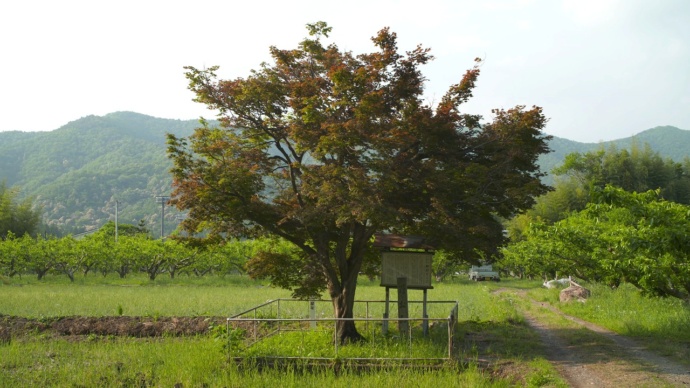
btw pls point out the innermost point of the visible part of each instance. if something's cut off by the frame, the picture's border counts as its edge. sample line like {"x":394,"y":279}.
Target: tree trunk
{"x":153,"y":272}
{"x":122,"y":271}
{"x":202,"y":273}
{"x":343,"y":306}
{"x":40,"y":273}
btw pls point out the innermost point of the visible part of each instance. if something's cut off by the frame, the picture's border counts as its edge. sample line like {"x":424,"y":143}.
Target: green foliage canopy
{"x":324,"y":148}
{"x":133,"y":252}
{"x":620,"y":236}
{"x":638,"y":169}
{"x":635,"y":169}
{"x":16,"y":217}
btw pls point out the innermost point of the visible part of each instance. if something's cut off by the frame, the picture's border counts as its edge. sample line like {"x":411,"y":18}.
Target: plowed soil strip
{"x":105,"y":326}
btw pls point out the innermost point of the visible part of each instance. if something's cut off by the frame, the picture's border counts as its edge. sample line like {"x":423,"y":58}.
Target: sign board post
{"x":425,"y":322}
{"x":406,"y":270}
{"x":415,"y":266}
{"x":384,"y":326}
{"x":403,"y":311}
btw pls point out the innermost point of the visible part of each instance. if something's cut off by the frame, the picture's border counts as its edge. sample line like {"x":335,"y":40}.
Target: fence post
{"x":409,"y":333}
{"x":450,"y":337}
{"x":366,"y":313}
{"x":451,"y":329}
{"x":312,"y":314}
{"x":278,"y":314}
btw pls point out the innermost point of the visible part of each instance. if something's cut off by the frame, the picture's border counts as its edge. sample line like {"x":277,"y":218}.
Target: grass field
{"x":490,"y":328}
{"x":133,"y":296}
{"x":192,"y":362}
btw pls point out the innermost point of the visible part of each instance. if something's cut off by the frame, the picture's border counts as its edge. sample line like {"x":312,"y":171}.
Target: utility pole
{"x":162,"y":199}
{"x":116,"y":211}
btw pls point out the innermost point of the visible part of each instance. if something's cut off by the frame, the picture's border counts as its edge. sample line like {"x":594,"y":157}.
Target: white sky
{"x":601,"y":69}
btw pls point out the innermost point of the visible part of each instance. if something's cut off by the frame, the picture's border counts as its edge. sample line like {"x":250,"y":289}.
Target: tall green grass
{"x":489,"y":326}
{"x":191,"y":362}
{"x":219,"y":296}
{"x":319,"y":344}
{"x":133,"y":296}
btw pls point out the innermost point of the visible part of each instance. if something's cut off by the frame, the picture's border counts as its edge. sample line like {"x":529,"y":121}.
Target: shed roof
{"x":384,"y":240}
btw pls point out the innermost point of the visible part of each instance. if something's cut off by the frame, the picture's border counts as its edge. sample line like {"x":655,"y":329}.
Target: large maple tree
{"x":324,"y":148}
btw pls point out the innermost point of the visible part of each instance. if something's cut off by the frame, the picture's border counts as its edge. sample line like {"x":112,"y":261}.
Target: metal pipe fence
{"x":290,"y":315}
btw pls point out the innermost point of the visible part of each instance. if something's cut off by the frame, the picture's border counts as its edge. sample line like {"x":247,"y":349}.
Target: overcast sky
{"x":601,"y":69}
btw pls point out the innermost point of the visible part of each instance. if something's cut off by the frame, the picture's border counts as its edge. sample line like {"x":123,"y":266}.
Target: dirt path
{"x":600,"y":357}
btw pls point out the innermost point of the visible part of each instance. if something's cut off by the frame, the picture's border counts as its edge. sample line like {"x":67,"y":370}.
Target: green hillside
{"x":78,"y":171}
{"x":669,"y":142}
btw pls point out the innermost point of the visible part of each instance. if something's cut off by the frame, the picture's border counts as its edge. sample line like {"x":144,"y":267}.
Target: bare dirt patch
{"x":591,"y":356}
{"x":109,"y":326}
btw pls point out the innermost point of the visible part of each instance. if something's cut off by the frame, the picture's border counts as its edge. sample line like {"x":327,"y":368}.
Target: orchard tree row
{"x":131,"y":253}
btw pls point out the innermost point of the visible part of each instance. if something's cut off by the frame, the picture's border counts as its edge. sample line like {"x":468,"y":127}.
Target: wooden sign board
{"x":415,"y":266}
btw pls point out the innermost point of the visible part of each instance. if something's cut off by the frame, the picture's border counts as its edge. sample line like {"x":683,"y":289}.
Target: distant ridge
{"x":78,"y":171}
{"x":670,"y":142}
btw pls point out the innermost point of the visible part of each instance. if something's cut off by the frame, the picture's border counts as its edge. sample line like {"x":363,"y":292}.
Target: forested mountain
{"x":669,"y":142}
{"x":78,"y":171}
